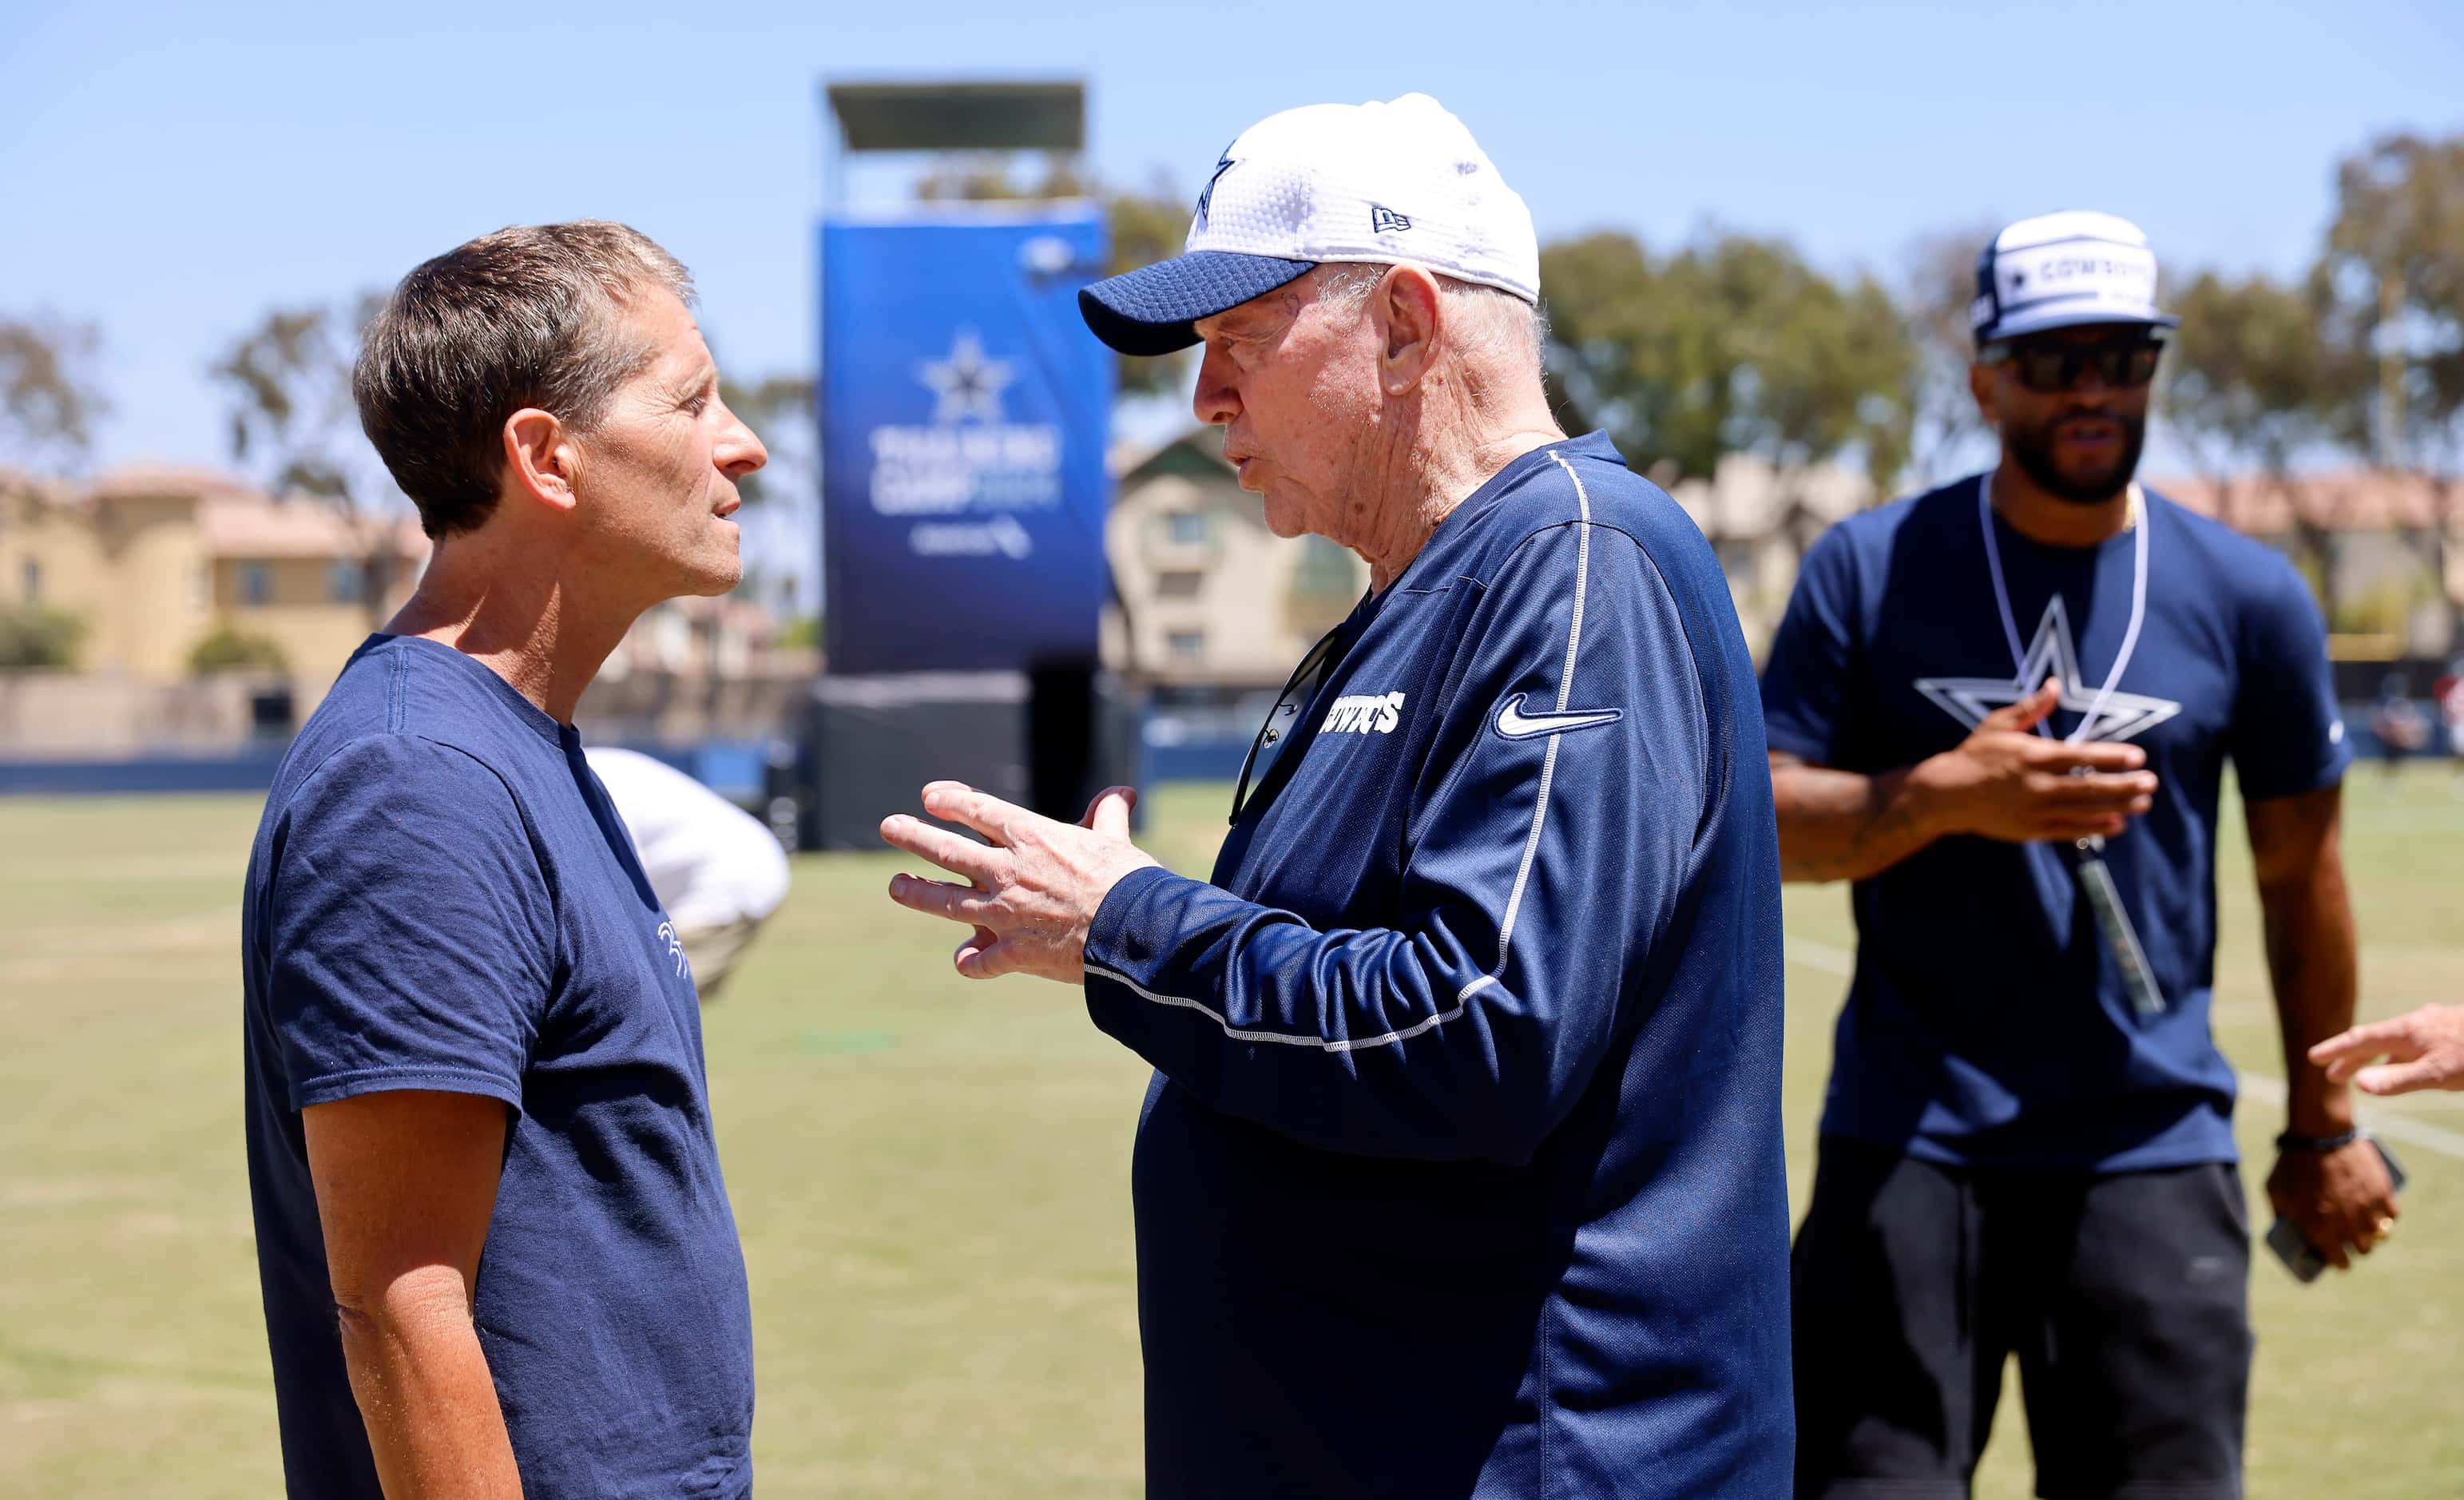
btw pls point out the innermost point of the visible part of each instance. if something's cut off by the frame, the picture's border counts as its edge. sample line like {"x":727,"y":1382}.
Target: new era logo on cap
{"x":2061,"y":270}
{"x":1400,"y":182}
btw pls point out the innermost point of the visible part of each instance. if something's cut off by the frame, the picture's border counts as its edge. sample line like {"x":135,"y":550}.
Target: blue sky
{"x":170,"y":171}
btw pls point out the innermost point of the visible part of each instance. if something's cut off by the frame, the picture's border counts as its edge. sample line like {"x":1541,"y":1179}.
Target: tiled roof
{"x":2352,"y":500}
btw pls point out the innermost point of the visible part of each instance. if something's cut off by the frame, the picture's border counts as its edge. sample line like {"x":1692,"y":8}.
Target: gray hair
{"x":526,"y":317}
{"x":1489,"y":324}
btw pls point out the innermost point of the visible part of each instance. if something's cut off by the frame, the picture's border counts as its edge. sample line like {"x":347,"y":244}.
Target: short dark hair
{"x":525,"y":316}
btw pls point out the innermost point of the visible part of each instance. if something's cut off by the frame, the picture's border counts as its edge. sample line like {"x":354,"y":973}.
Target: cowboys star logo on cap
{"x":1206,"y":195}
{"x":1313,"y":185}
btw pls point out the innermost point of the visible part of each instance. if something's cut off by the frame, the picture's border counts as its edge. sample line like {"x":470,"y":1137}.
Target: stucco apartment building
{"x":1210,"y":601}
{"x":151,"y":559}
{"x":1215,"y":605}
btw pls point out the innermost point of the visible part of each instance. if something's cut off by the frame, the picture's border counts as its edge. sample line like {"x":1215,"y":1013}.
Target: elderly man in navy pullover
{"x":1461,"y":1173}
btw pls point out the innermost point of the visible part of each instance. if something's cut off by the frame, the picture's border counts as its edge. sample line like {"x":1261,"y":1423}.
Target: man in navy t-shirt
{"x":2004,"y":710}
{"x":1460,"y":1171}
{"x":497,"y":1254}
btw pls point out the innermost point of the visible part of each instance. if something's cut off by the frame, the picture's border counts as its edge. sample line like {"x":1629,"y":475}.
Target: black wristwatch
{"x":2290,"y":1141}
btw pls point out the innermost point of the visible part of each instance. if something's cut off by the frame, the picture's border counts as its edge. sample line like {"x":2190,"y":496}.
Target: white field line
{"x":1830,"y":960}
{"x":2405,"y":1128}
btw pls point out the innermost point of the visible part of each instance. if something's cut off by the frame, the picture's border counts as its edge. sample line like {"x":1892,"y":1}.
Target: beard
{"x":2034,"y":448}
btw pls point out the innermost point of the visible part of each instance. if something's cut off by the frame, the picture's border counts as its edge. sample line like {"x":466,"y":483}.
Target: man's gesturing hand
{"x":2007,"y":782}
{"x":2424,"y":1050}
{"x":1033,"y":894}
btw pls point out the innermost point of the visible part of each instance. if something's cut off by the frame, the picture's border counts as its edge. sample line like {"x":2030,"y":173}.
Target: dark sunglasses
{"x":2047,"y":366}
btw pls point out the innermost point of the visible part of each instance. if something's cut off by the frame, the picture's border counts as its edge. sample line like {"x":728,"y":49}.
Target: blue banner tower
{"x":964,"y":414}
{"x":964,"y":411}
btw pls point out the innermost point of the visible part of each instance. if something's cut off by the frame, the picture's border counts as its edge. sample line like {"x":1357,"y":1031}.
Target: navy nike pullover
{"x":1462,"y":1174}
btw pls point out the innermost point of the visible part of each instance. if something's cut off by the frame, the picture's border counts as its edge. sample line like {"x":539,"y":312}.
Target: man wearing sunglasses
{"x":2002,"y":708}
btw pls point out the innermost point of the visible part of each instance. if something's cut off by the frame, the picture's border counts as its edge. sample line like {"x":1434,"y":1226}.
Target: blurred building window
{"x":1185,"y":528}
{"x":1186,"y":645}
{"x":34,"y":582}
{"x":343,"y":580}
{"x":1179,"y":584}
{"x":255,"y":581}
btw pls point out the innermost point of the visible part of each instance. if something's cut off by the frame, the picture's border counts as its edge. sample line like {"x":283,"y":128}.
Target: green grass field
{"x":931,"y":1178}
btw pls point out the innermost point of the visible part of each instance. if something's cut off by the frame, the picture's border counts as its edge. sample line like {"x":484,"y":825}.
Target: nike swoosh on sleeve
{"x":1515,"y":724}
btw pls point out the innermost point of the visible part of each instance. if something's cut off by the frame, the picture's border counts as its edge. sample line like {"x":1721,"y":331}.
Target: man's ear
{"x":1407,"y":315}
{"x":1980,"y":384}
{"x":540,"y":458}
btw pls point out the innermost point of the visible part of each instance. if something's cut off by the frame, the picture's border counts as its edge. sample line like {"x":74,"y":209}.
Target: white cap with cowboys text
{"x":2061,"y":270}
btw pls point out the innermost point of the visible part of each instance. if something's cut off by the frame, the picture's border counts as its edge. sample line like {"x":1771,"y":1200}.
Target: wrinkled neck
{"x":1438,"y":456}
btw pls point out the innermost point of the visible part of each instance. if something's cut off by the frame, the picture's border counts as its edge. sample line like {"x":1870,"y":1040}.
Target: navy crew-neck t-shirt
{"x":442,"y":897}
{"x":1987,"y":1024}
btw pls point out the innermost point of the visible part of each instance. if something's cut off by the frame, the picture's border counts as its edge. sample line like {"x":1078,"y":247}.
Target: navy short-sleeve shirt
{"x":441,"y":896}
{"x":1987,"y":1024}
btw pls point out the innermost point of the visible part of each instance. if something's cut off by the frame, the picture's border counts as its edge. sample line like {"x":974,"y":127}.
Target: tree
{"x":49,"y":401}
{"x":1616,"y":357}
{"x":779,"y":409}
{"x":287,"y":381}
{"x":2252,"y":382}
{"x":227,"y":647}
{"x":1146,"y":228}
{"x":1734,"y":344}
{"x":2250,"y":379}
{"x":1938,"y":283}
{"x":31,"y":635}
{"x":289,"y":387}
{"x":2392,"y":279}
{"x":1820,"y":368}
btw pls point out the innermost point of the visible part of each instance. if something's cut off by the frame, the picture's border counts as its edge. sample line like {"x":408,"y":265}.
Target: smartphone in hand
{"x":2294,"y":1248}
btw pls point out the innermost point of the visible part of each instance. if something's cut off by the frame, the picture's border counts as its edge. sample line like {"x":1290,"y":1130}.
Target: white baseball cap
{"x":2061,"y":270}
{"x":1395,"y":184}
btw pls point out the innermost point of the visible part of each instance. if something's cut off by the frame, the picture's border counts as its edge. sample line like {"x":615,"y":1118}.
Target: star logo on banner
{"x":966,"y":385}
{"x":2051,"y":655}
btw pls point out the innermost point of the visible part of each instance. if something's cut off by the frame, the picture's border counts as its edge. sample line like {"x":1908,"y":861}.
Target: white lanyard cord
{"x":2011,"y":626}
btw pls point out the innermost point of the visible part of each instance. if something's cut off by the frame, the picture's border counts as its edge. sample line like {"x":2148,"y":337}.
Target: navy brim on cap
{"x":1150,"y":310}
{"x":2045,"y":319}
